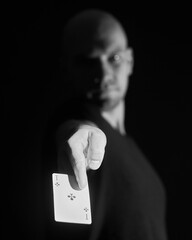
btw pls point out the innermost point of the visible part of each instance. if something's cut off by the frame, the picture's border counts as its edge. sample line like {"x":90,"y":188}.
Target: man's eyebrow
{"x":117,"y":50}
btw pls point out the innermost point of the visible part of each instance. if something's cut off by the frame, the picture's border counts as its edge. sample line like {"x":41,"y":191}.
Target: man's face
{"x":102,"y":73}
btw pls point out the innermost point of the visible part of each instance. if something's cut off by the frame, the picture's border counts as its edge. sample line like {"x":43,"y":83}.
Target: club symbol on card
{"x":56,"y":178}
{"x":71,"y":196}
{"x":57,"y":184}
{"x":86,"y":210}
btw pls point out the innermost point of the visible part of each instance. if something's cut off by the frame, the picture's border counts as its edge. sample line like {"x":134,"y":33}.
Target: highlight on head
{"x":86,"y":28}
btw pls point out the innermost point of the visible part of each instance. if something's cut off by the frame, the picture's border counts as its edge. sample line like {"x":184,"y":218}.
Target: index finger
{"x":79,"y":165}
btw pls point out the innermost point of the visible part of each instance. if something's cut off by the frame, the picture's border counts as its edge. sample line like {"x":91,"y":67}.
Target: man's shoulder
{"x":73,"y":109}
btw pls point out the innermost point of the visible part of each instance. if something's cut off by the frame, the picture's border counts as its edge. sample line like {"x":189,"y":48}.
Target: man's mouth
{"x":109,"y":90}
{"x":102,"y":93}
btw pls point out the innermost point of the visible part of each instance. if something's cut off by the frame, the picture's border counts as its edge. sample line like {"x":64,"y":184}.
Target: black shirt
{"x":127,"y":196}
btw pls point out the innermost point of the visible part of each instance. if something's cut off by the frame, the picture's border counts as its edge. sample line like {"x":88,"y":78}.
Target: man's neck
{"x":116,"y":117}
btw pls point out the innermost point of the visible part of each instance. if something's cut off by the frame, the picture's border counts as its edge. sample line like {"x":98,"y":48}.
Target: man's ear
{"x":130,"y":59}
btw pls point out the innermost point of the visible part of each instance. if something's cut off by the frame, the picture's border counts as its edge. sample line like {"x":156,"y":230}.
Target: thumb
{"x":96,"y":149}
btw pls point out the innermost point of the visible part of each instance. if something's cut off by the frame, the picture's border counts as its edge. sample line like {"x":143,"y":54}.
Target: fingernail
{"x":82,"y":181}
{"x":82,"y":184}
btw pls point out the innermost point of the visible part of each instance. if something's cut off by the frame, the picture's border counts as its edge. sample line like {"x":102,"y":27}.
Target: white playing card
{"x":70,"y":205}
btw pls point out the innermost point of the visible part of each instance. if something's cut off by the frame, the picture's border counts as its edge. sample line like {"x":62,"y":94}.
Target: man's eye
{"x":116,"y":58}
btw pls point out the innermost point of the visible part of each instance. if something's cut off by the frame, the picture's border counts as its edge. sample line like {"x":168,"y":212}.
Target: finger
{"x":96,"y":150}
{"x":79,"y":165}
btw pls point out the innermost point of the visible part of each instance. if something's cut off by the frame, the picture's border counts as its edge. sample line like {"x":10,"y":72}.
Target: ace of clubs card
{"x":70,"y":205}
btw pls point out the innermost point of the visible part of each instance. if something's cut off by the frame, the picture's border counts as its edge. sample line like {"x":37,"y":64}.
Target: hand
{"x":87,"y":146}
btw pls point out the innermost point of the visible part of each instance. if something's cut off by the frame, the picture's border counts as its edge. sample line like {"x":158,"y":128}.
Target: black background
{"x":158,"y":101}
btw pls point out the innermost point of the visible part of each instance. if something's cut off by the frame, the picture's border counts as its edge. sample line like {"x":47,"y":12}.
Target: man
{"x":127,"y":196}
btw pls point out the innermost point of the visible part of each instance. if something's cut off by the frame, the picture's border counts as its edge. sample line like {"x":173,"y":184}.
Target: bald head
{"x":96,"y":59}
{"x":87,"y":29}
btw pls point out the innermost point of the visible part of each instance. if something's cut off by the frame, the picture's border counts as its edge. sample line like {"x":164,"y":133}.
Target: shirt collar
{"x":116,"y":117}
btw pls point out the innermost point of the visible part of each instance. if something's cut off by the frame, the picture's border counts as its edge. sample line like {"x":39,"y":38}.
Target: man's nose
{"x":105,"y":73}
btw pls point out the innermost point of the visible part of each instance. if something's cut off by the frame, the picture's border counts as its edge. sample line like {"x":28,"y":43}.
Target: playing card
{"x":70,"y":205}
